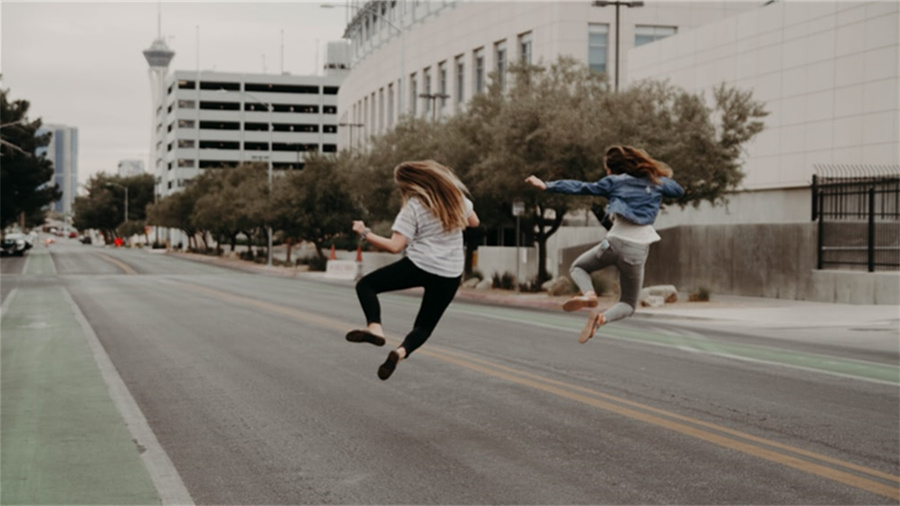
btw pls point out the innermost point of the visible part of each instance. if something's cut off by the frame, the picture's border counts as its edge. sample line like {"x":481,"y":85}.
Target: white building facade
{"x":445,"y":50}
{"x":214,"y":120}
{"x":829,"y":75}
{"x":63,"y":152}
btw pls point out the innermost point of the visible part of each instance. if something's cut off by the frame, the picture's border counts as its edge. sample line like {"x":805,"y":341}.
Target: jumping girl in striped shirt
{"x":430,"y":226}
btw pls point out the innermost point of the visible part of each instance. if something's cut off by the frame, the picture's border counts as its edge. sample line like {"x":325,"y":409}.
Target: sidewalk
{"x":761,"y":312}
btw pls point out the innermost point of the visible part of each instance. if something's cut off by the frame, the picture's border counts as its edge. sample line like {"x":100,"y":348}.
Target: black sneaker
{"x":364,"y":336}
{"x":387,"y":368}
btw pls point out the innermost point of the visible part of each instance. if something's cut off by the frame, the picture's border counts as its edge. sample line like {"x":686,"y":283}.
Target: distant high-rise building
{"x":63,"y":153}
{"x":128,"y":168}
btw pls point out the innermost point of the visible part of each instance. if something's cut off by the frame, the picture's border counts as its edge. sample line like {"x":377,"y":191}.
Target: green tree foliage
{"x":25,"y":187}
{"x":315,"y":204}
{"x":230,"y":201}
{"x":556,"y":122}
{"x":103,"y":206}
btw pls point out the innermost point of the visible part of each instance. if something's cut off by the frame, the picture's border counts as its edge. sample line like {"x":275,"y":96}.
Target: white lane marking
{"x":165,"y":477}
{"x":5,"y":307}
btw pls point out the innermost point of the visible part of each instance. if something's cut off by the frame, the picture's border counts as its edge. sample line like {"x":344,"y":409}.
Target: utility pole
{"x":617,"y":3}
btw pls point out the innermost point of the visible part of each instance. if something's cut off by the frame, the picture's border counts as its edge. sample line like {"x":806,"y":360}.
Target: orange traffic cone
{"x":359,"y":252}
{"x":333,"y":256}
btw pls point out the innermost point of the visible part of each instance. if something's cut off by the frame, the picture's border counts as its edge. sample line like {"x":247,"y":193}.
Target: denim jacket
{"x":635,"y":199}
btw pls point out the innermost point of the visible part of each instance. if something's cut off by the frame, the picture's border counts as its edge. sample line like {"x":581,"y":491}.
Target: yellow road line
{"x":127,"y":269}
{"x":739,"y":441}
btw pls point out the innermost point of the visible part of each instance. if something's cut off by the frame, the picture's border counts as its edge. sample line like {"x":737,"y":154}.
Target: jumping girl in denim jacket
{"x":635,"y":186}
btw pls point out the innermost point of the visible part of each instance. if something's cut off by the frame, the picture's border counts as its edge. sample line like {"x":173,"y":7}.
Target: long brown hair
{"x":635,"y":162}
{"x":437,"y":188}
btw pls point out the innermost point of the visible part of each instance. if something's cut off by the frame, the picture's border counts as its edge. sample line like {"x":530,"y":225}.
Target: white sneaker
{"x":578,"y":302}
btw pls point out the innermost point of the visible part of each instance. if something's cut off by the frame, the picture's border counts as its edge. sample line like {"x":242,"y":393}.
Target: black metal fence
{"x":857,"y":208}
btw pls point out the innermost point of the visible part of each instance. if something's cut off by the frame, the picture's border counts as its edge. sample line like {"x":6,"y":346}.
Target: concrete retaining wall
{"x":776,"y":261}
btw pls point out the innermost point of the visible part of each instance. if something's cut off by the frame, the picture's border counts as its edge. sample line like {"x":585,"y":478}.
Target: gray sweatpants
{"x":629,"y":258}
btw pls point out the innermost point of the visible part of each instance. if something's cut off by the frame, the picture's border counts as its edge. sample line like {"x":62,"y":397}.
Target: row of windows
{"x":226,"y":164}
{"x":184,"y":84}
{"x":250,"y":146}
{"x":254,"y":127}
{"x":370,"y":112}
{"x":254,"y":107}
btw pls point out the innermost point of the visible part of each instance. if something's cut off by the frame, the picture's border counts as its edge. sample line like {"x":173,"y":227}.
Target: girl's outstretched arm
{"x":536,"y":182}
{"x":670,"y":188}
{"x":393,"y":245}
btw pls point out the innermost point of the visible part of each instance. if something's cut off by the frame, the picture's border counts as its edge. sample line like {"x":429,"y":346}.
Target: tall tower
{"x":158,"y":56}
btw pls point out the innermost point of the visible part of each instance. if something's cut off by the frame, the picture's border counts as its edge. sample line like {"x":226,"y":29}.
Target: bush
{"x":315,"y":262}
{"x":505,"y":281}
{"x":701,"y":294}
{"x":476,"y":274}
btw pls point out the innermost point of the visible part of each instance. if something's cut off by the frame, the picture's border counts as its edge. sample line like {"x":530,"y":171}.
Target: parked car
{"x":15,"y":244}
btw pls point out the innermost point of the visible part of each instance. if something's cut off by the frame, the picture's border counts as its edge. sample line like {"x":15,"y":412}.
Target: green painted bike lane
{"x":62,"y":438}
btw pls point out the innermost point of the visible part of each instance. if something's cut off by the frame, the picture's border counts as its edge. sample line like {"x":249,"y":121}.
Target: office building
{"x":63,"y":153}
{"x":446,"y":50}
{"x":214,"y":120}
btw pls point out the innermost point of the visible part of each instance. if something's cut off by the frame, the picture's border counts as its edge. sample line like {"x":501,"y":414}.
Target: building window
{"x":212,"y":85}
{"x":381,"y":110}
{"x":215,"y":106}
{"x":414,"y":97}
{"x":187,"y":104}
{"x":390,"y":107}
{"x":185,"y":163}
{"x":220,"y":125}
{"x":442,"y":83}
{"x":598,"y":45}
{"x":329,"y":109}
{"x":186,"y":143}
{"x":644,"y":34}
{"x":460,"y":79}
{"x":185,"y":85}
{"x":426,"y":90}
{"x":256,"y":146}
{"x":282,"y":88}
{"x":220,"y":145}
{"x":186,"y":123}
{"x":479,"y":70}
{"x":525,"y":48}
{"x":500,"y":60}
{"x":329,"y":129}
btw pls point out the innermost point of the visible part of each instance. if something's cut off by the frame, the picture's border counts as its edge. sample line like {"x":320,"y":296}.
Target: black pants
{"x":439,"y":292}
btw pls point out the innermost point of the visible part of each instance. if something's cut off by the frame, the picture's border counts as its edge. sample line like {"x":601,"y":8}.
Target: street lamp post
{"x":352,"y":126}
{"x":271,"y":109}
{"x":433,"y":97}
{"x":617,"y":3}
{"x":402,"y":34}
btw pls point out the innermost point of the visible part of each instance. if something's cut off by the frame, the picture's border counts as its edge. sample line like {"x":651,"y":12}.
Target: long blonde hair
{"x":437,"y":188}
{"x":635,"y":162}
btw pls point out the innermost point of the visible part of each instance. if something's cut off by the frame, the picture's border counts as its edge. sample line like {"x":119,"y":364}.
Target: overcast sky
{"x":81,"y":63}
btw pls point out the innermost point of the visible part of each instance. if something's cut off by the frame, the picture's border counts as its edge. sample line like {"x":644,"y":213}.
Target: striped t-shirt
{"x":428,"y":246}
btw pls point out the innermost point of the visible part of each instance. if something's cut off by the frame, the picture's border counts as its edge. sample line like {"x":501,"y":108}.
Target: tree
{"x":103,"y":208}
{"x":25,"y":186}
{"x":545,"y":124}
{"x":315,"y":204}
{"x":230,"y":201}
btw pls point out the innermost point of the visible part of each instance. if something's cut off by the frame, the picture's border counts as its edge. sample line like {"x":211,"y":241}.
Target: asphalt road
{"x":252,"y":391}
